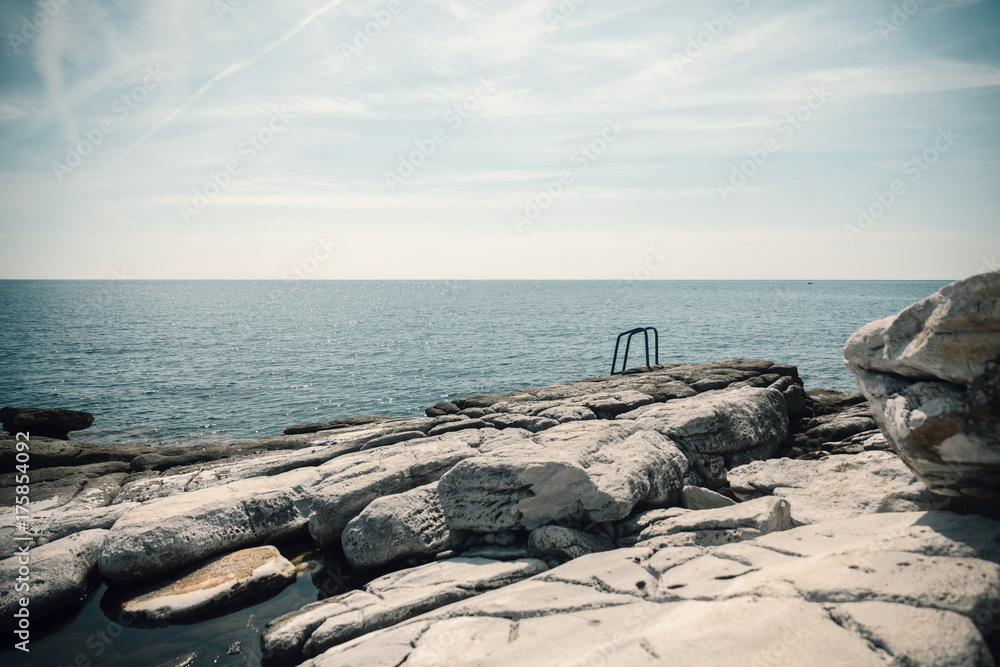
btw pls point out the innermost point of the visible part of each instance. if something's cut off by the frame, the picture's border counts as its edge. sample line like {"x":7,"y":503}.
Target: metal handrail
{"x":628,"y":342}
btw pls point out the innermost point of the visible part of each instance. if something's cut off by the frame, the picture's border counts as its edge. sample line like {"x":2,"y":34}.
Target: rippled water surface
{"x":184,"y":361}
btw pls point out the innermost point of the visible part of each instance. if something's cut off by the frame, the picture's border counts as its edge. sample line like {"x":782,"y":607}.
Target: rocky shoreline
{"x":696,"y":514}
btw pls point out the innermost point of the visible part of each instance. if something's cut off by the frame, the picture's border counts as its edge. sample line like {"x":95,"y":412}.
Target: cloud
{"x":232,"y":69}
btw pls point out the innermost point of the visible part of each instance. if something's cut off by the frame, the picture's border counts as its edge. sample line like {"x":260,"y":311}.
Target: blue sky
{"x":506,"y":139}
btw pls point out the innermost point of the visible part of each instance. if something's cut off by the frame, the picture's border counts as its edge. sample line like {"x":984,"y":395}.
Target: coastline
{"x":312,"y":488}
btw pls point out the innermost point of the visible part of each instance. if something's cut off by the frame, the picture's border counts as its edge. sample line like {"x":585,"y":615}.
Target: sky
{"x":499,"y":139}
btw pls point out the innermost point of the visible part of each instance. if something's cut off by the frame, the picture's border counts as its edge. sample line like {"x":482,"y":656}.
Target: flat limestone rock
{"x":527,"y":422}
{"x":567,"y":413}
{"x":723,"y":525}
{"x":718,"y":430}
{"x":50,"y":452}
{"x":588,"y":471}
{"x":625,"y":631}
{"x":351,"y":482}
{"x":409,"y":524}
{"x":721,"y":422}
{"x":618,"y":571}
{"x":841,"y":426}
{"x":171,"y":533}
{"x":916,"y":636}
{"x":393,"y":438}
{"x":385,"y":602}
{"x":965,"y":586}
{"x":68,"y":487}
{"x":61,"y":574}
{"x":459,"y":425}
{"x":836,"y":487}
{"x":65,"y":523}
{"x":250,"y":574}
{"x":757,"y":631}
{"x":215,"y":474}
{"x":868,"y":590}
{"x":922,"y":533}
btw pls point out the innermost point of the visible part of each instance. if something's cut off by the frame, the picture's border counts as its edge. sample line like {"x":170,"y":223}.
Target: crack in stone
{"x":645,"y":645}
{"x":601,"y":586}
{"x":877,"y":647}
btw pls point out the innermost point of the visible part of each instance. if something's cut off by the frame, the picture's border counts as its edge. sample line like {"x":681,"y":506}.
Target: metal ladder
{"x":628,"y":342}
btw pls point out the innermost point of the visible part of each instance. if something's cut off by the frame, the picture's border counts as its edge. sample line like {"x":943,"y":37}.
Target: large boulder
{"x":47,"y":423}
{"x":931,"y":374}
{"x":718,"y":430}
{"x":402,"y":525}
{"x":583,"y":471}
{"x":350,"y":483}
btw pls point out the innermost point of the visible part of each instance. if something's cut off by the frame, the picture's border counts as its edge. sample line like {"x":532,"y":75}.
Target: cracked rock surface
{"x":897,"y":592}
{"x":614,"y":519}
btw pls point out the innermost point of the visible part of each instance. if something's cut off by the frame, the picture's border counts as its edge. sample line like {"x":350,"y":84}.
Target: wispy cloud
{"x":229,"y":71}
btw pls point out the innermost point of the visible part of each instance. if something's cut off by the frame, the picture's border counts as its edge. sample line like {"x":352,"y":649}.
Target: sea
{"x":181,"y":362}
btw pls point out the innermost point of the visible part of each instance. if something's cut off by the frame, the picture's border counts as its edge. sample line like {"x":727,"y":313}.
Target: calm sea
{"x":176,"y":362}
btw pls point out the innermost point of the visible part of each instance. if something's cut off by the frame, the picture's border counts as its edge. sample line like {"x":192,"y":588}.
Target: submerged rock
{"x":931,"y":373}
{"x":233,"y":579}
